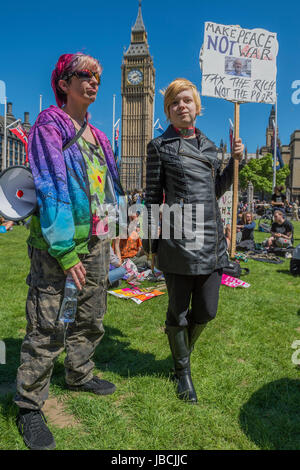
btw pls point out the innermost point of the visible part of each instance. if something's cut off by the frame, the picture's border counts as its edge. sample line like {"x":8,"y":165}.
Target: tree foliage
{"x":260,"y":173}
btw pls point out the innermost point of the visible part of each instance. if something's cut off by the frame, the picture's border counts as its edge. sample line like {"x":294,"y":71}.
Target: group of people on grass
{"x":127,"y":255}
{"x":281,"y":231}
{"x":278,"y":201}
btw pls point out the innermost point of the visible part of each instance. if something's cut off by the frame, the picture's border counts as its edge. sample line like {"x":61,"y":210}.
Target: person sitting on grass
{"x":245,"y":231}
{"x":116,"y":270}
{"x":131,"y":247}
{"x":281,"y":230}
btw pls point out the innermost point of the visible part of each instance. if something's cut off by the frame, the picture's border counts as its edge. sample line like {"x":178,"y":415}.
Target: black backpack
{"x":295,"y":267}
{"x":246,"y":245}
{"x":295,"y":262}
{"x":234,"y":269}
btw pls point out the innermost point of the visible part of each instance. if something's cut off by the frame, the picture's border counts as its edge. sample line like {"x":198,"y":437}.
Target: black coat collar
{"x":205,"y":145}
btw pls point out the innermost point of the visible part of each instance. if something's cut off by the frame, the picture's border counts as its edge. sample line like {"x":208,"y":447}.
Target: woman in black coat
{"x":182,"y":165}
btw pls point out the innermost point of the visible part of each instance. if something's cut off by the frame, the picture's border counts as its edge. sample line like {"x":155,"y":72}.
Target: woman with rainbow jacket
{"x":74,"y":173}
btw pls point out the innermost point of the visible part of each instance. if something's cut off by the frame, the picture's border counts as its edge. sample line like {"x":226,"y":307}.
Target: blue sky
{"x":34,"y":34}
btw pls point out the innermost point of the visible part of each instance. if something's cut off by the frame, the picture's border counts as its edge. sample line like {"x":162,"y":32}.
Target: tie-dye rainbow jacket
{"x":63,"y":223}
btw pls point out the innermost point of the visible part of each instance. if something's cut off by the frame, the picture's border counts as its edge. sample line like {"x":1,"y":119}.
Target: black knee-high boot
{"x":179,"y":344}
{"x":194,"y":331}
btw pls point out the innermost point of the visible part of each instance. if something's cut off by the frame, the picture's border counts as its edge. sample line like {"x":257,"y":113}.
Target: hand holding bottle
{"x":68,"y":307}
{"x":78,"y":273}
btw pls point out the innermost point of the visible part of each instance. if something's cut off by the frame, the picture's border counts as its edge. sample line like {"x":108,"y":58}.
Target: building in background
{"x":269,"y":135}
{"x":15,"y":149}
{"x":224,"y":155}
{"x":293,"y":183}
{"x":138,"y":90}
{"x":290,"y":155}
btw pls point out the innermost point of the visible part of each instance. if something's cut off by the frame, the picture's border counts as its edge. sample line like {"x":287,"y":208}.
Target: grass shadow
{"x":119,"y":357}
{"x":111,"y":354}
{"x":271,"y":417}
{"x":8,"y":371}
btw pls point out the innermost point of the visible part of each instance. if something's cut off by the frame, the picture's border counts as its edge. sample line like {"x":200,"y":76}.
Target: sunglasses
{"x":83,"y":75}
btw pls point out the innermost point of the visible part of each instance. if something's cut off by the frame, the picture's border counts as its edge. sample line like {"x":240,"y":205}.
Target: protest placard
{"x":230,"y":281}
{"x":137,"y":295}
{"x":239,"y":64}
{"x":225,"y":205}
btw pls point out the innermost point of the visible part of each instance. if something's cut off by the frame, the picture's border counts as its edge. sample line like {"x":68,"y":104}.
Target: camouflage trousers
{"x":45,"y":336}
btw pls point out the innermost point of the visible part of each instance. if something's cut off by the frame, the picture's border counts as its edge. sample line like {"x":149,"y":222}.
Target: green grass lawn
{"x":247,"y":385}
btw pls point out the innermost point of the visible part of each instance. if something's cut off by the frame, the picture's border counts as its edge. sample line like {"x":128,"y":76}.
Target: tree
{"x":260,"y":173}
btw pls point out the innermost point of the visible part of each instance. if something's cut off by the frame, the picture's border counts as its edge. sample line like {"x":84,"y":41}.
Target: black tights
{"x":201,"y":291}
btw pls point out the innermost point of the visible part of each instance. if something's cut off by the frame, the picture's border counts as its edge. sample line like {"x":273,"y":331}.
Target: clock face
{"x":135,"y":77}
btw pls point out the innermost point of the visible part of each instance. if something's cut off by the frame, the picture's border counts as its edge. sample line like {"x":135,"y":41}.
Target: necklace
{"x":186,"y":133}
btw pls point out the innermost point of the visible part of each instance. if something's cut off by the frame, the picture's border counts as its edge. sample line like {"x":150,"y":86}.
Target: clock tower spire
{"x":138,"y":87}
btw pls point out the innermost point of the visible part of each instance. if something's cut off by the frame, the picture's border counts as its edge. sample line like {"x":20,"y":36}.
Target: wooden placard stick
{"x":235,"y":183}
{"x":153,"y":262}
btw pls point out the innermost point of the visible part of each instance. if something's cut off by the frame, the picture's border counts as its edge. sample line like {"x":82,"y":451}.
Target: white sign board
{"x":225,"y":205}
{"x":239,"y":64}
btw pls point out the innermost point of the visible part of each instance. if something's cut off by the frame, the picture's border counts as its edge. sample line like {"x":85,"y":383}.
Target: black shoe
{"x":185,"y":388}
{"x":95,"y":385}
{"x":32,"y":427}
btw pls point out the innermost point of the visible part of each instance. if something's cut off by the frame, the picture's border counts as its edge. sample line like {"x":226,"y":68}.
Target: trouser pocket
{"x":42,"y":308}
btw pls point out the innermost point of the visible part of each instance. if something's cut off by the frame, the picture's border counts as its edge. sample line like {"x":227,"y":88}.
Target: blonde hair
{"x":83,"y":61}
{"x":177,"y":86}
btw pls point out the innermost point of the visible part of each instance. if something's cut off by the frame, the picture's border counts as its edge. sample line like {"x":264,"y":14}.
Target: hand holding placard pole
{"x":235,"y":182}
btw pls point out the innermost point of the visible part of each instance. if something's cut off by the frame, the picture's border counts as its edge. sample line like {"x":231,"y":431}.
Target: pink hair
{"x":69,"y":63}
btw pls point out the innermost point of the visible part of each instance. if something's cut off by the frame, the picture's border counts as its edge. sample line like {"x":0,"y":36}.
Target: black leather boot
{"x":194,"y":331}
{"x":179,"y":345}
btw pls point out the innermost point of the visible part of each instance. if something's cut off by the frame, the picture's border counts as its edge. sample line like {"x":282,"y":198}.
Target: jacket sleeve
{"x":225,"y":179}
{"x":154,"y":196}
{"x":55,"y":211}
{"x":250,"y":226}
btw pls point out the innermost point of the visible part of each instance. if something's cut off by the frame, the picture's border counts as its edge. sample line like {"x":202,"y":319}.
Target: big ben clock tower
{"x":138,"y":87}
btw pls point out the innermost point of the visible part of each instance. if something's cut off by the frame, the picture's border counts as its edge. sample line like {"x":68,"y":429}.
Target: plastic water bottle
{"x":69,"y":304}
